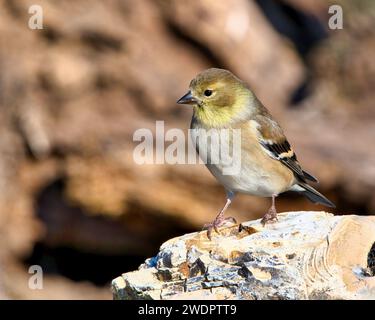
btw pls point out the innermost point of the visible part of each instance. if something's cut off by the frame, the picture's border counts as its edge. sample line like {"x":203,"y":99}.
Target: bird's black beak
{"x":187,"y":99}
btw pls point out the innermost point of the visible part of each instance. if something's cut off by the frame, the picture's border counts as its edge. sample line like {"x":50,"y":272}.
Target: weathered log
{"x":305,"y":255}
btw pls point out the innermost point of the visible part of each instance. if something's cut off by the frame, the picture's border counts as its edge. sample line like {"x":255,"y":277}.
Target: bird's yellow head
{"x":218,"y":97}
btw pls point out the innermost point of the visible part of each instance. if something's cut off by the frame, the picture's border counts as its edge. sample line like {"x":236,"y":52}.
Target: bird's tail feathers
{"x":309,"y":176}
{"x":314,"y":196}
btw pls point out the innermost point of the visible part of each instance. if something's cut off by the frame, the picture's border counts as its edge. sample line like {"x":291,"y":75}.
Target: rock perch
{"x":306,"y":255}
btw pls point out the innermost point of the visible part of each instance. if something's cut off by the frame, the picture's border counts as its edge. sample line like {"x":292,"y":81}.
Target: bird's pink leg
{"x":271,"y":215}
{"x":220,"y":219}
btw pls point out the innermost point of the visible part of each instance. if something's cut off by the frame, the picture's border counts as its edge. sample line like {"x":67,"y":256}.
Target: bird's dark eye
{"x":207,"y":92}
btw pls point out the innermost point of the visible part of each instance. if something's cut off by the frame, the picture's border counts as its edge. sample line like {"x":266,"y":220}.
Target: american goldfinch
{"x":269,"y":165}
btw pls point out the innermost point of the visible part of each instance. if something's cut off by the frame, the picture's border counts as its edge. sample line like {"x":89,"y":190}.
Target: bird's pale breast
{"x":258,"y":173}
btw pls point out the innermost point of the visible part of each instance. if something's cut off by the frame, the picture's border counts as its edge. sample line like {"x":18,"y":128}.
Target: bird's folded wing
{"x":275,"y":144}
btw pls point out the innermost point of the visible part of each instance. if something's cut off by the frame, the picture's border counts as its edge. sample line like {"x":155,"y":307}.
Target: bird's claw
{"x":214,"y":225}
{"x":269,"y":217}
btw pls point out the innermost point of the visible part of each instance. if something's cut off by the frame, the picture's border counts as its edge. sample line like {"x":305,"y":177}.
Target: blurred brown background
{"x":71,"y":95}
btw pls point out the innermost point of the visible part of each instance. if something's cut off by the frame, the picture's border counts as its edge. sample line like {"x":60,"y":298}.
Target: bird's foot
{"x":218,"y":222}
{"x":269,"y":217}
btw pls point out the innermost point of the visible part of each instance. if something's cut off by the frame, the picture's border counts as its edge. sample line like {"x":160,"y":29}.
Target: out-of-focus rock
{"x":227,"y":30}
{"x":305,"y":255}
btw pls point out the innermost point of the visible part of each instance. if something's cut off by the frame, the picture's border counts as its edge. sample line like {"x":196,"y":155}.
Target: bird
{"x":268,"y":163}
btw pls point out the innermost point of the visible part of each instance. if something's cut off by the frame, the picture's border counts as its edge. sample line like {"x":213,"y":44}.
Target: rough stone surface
{"x":305,"y":255}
